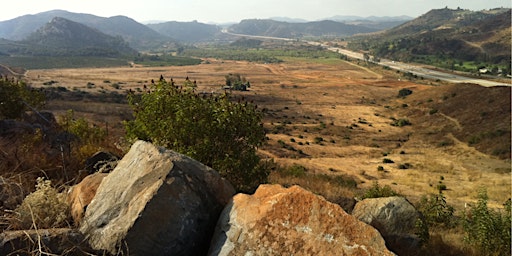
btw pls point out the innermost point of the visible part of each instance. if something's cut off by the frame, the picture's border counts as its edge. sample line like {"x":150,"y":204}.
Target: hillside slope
{"x":479,"y":116}
{"x":137,"y":35}
{"x":460,"y":35}
{"x":187,"y":31}
{"x":62,"y":37}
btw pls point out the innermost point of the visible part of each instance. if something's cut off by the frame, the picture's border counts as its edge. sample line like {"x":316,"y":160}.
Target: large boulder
{"x":293,"y":221}
{"x":156,"y":202}
{"x":81,"y":194}
{"x":395,"y":218}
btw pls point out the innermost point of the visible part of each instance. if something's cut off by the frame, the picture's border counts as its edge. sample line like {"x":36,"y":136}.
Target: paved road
{"x":424,"y":72}
{"x":403,"y":67}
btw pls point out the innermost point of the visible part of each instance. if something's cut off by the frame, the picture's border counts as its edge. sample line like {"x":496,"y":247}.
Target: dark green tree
{"x":213,"y":130}
{"x":237,"y":82}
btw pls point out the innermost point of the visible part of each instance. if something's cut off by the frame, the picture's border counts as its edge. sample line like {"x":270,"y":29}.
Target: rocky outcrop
{"x":81,"y":194}
{"x":156,"y":202}
{"x":394,"y":217}
{"x":293,"y":221}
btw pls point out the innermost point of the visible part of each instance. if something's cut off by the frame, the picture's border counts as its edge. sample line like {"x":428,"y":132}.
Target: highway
{"x":401,"y":66}
{"x":423,"y":72}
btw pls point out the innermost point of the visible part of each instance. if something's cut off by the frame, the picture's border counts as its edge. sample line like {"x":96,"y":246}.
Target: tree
{"x":366,"y":57}
{"x":16,"y":98}
{"x":237,"y":82}
{"x":213,"y":130}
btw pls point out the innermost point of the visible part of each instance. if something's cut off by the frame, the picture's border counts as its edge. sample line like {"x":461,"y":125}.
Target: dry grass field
{"x":332,"y":117}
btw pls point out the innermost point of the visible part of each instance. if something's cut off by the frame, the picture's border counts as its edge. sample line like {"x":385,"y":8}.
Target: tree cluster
{"x":237,"y":82}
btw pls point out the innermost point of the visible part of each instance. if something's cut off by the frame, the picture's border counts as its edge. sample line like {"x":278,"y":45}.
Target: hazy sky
{"x":236,"y":10}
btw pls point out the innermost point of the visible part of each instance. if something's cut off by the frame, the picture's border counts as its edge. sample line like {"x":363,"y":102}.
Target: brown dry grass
{"x":348,"y":106}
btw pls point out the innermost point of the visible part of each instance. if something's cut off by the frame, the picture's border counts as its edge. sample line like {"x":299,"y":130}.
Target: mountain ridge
{"x":267,"y":27}
{"x":134,"y":33}
{"x":78,"y":39}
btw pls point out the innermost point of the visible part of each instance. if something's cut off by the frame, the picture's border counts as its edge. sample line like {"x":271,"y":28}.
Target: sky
{"x":220,"y":11}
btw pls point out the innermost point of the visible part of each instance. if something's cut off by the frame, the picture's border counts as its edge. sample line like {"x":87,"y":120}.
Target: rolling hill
{"x":273,"y":28}
{"x":137,"y":35}
{"x":446,"y":34}
{"x":62,"y":37}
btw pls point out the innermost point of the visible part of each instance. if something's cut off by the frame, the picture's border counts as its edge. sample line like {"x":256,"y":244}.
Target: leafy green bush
{"x":44,"y":208}
{"x":436,"y":210}
{"x":213,"y":130}
{"x":488,"y":230}
{"x":295,"y":170}
{"x":16,"y":97}
{"x":377,"y":191}
{"x":89,"y":136}
{"x":400,"y":122}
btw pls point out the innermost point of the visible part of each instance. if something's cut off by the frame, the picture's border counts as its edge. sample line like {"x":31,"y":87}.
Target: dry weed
{"x":44,"y":208}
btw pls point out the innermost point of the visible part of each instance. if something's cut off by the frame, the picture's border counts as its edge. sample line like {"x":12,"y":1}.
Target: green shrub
{"x":404,"y":92}
{"x":318,"y":140}
{"x":404,"y":166}
{"x":377,"y":191}
{"x":400,"y":122}
{"x":488,"y":230}
{"x":89,"y":136}
{"x":213,"y":130}
{"x":44,"y":208}
{"x":16,"y":97}
{"x":387,"y":161}
{"x":436,"y":210}
{"x":295,"y":170}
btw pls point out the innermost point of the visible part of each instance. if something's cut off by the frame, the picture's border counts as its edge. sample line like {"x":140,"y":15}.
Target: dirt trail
{"x":455,"y":121}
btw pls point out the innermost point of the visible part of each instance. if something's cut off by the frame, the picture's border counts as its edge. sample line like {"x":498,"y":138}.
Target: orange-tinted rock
{"x":81,"y":195}
{"x":293,"y":221}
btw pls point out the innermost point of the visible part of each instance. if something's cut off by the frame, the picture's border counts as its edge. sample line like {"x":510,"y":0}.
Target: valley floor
{"x":330,"y":117}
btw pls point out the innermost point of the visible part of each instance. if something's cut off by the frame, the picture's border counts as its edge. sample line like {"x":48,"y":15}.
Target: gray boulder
{"x":156,"y":202}
{"x":291,"y":221}
{"x":394,"y":217}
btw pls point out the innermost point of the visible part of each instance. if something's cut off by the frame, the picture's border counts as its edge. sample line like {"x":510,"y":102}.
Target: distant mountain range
{"x":274,"y":28}
{"x":187,"y":31}
{"x":453,"y":33}
{"x":151,"y":36}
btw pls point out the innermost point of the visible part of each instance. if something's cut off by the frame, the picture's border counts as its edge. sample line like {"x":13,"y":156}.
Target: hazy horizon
{"x":223,"y":11}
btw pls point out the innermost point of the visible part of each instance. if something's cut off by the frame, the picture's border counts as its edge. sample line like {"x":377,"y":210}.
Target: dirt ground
{"x":331,"y":117}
